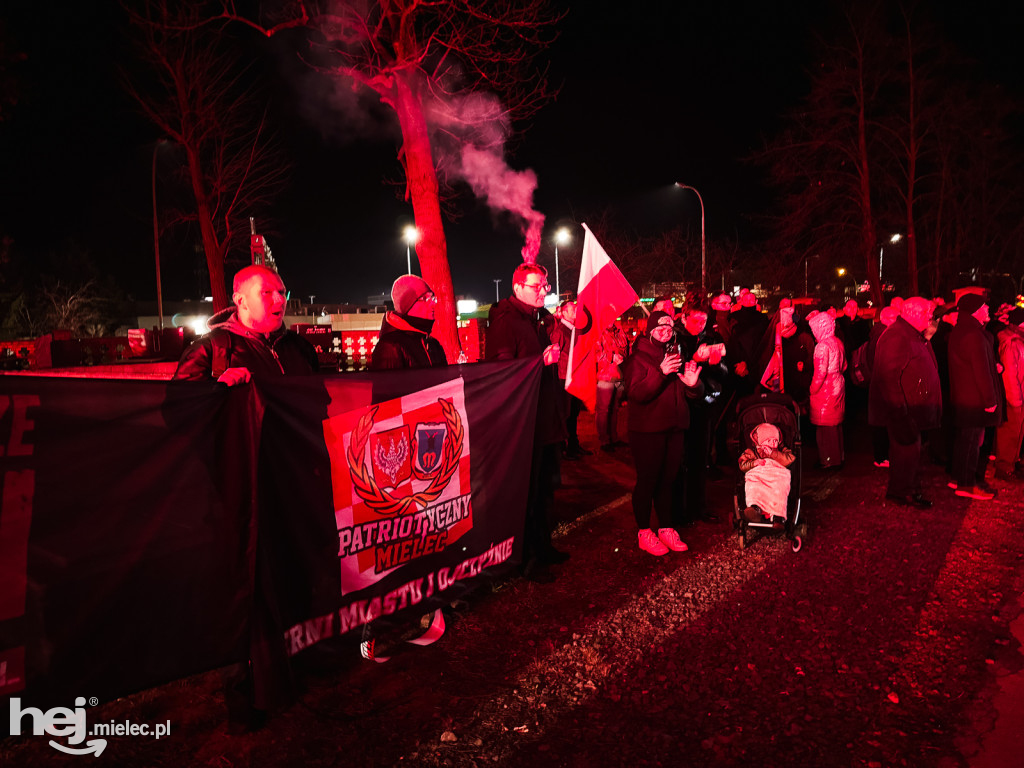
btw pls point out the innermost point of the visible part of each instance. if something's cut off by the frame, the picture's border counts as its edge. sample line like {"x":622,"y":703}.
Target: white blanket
{"x":767,"y":487}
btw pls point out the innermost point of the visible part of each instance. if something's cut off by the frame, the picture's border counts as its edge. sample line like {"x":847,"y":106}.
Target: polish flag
{"x":602,"y":296}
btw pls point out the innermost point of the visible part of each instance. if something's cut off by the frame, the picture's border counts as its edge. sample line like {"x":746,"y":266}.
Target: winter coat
{"x":1011,"y":354}
{"x":611,"y":342}
{"x":657,"y":403}
{"x":516,"y":330}
{"x":714,"y":376}
{"x":828,"y":388}
{"x":404,"y":345}
{"x":229,"y":344}
{"x":973,"y":378}
{"x":748,"y":332}
{"x":904,"y":393}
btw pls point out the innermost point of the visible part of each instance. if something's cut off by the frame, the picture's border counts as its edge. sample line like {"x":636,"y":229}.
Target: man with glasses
{"x":405,"y":340}
{"x":517,"y":327}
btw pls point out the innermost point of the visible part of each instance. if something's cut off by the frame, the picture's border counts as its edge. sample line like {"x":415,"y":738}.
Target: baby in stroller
{"x":766,"y":484}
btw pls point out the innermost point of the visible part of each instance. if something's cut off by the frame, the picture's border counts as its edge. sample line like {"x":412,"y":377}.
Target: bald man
{"x":905,"y":398}
{"x":249,"y":338}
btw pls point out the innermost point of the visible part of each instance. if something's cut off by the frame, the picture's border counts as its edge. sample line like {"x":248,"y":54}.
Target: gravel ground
{"x":878,"y":644}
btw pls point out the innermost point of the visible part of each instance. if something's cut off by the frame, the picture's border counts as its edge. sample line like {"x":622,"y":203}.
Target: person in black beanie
{"x":658,"y":386}
{"x":405,"y":340}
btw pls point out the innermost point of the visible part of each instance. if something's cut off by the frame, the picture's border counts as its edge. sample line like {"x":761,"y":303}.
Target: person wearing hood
{"x":249,"y":340}
{"x":1010,"y":434}
{"x":828,"y":390}
{"x":973,"y":395}
{"x":405,"y":340}
{"x":879,"y":437}
{"x":658,"y":386}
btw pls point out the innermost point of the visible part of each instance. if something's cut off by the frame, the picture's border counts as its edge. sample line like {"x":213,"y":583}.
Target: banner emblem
{"x":390,"y":452}
{"x":430,"y":439}
{"x":374,"y":494}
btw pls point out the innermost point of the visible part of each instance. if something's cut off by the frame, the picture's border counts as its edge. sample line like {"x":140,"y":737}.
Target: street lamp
{"x":411,"y":235}
{"x":703,"y":253}
{"x":562,"y":237}
{"x":497,"y":296}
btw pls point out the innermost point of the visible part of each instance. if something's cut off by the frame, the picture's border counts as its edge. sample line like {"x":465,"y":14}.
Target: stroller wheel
{"x":797,"y":543}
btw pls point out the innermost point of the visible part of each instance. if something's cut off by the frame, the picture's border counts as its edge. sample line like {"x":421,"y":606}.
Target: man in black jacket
{"x":248,"y":341}
{"x":516,"y":327}
{"x":904,"y":397}
{"x":249,"y":338}
{"x":973,"y":393}
{"x":405,"y":340}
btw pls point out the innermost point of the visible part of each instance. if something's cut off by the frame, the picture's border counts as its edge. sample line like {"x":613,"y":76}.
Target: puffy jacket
{"x":229,"y":344}
{"x":657,"y":403}
{"x":404,"y":345}
{"x":1011,"y":353}
{"x":904,"y":394}
{"x":828,"y":389}
{"x":973,"y":379}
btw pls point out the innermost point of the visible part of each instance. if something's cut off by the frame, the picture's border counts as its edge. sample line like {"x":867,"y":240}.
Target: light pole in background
{"x":881,"y":255}
{"x":703,"y":252}
{"x":497,"y":296}
{"x":411,"y":235}
{"x":562,"y":237}
{"x":156,"y":243}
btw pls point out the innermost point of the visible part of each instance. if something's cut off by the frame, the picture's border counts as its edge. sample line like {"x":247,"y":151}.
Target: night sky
{"x":651,"y":93}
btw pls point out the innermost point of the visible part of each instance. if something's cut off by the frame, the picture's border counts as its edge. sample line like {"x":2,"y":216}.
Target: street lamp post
{"x":881,"y":255}
{"x":497,"y":296}
{"x":156,"y":243}
{"x":703,"y":252}
{"x":411,"y":235}
{"x":561,"y":238}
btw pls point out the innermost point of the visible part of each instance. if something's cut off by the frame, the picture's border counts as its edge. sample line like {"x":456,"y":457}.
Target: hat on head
{"x":1015,"y":316}
{"x":407,"y":290}
{"x":659,"y":318}
{"x":969,"y":303}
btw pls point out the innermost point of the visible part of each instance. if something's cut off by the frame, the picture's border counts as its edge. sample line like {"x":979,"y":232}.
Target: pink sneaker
{"x":670,"y":538}
{"x":649,"y":542}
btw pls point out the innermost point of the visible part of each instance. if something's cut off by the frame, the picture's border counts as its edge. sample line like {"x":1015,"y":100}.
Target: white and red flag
{"x":602,"y":296}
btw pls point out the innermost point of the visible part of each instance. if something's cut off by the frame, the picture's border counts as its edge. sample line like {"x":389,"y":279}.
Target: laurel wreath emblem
{"x":377,"y":498}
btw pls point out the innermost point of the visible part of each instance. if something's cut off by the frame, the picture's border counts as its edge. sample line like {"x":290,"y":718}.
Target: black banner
{"x":142,"y":521}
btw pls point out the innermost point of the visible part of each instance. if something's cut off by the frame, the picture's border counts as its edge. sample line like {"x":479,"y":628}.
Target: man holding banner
{"x":516,"y":328}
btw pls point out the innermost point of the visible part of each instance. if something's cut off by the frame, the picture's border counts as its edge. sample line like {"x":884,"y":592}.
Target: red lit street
{"x":892,"y":638}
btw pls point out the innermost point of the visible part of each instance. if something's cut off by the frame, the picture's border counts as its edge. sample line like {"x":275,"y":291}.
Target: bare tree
{"x":203,"y":99}
{"x":421,"y":59}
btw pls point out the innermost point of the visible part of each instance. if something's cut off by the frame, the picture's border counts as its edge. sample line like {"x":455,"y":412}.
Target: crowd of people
{"x":946,"y":375}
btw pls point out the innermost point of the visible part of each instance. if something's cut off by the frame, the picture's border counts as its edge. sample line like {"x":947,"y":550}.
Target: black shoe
{"x":913,"y":500}
{"x":619,"y":443}
{"x":537,"y":572}
{"x":581,"y":451}
{"x":608,"y":448}
{"x":1008,"y":477}
{"x":554,"y":556}
{"x":708,"y":517}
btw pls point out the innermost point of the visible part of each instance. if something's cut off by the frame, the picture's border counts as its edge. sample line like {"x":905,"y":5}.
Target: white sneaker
{"x":670,"y":538}
{"x":649,"y":542}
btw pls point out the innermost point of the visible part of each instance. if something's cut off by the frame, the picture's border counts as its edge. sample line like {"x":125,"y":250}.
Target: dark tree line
{"x":900,"y":133}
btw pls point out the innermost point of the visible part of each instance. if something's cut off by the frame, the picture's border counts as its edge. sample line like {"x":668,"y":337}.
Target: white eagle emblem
{"x":390,"y":462}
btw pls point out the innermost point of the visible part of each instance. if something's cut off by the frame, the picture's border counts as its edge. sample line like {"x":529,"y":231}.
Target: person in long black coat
{"x":904,"y":397}
{"x":973,"y":393}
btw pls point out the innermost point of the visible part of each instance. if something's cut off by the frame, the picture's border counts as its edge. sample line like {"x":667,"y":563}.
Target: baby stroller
{"x":782,"y":411}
